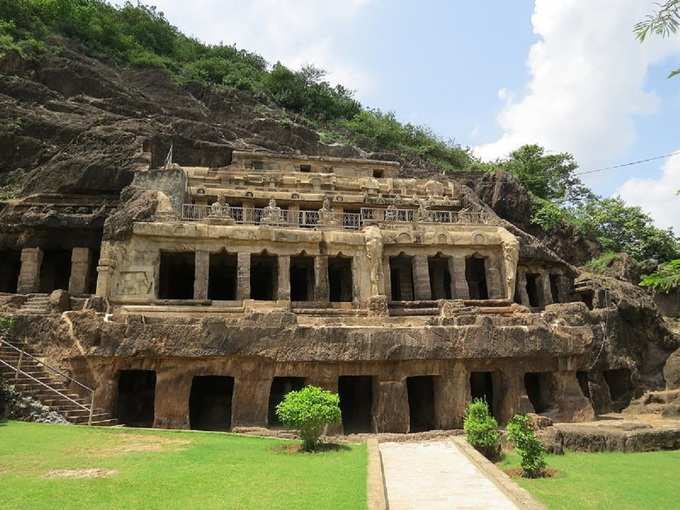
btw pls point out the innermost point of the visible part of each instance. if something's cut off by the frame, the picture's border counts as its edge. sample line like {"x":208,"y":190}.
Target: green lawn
{"x":149,"y":469}
{"x":607,"y":480}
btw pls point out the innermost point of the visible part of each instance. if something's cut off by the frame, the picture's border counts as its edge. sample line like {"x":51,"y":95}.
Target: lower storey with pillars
{"x":220,"y":393}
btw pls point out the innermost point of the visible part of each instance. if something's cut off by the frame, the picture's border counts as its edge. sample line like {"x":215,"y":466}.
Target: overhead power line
{"x":653,"y":158}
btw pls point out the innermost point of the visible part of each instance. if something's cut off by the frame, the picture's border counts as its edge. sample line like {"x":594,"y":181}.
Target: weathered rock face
{"x":671,"y":371}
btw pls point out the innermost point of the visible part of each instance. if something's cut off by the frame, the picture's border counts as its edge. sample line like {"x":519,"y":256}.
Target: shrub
{"x":521,"y":435}
{"x":309,"y":410}
{"x":481,"y":429}
{"x":665,"y":279}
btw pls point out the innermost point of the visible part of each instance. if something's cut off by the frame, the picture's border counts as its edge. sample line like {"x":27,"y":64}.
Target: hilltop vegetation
{"x":139,"y":36}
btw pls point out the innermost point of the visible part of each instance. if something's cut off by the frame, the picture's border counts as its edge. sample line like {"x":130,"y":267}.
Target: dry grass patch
{"x":124,"y":443}
{"x":81,"y":473}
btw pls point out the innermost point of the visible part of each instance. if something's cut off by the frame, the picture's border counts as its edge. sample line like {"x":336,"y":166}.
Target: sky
{"x":492,"y":75}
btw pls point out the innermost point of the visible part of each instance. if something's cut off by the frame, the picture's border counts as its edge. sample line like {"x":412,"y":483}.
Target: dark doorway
{"x":539,"y":388}
{"x":421,"y":402}
{"x":10,"y":266}
{"x":210,"y":402}
{"x":281,"y":386}
{"x":620,"y":387}
{"x":401,"y":278}
{"x":176,"y":275}
{"x":582,"y":378}
{"x":475,"y":274}
{"x":301,"y":278}
{"x":91,"y":287}
{"x":481,"y":387}
{"x":340,"y":279}
{"x":440,"y":277}
{"x":222,"y":277}
{"x":136,"y":397}
{"x":533,"y":280}
{"x":55,"y":270}
{"x":555,"y":287}
{"x":356,"y":402}
{"x":263,"y":277}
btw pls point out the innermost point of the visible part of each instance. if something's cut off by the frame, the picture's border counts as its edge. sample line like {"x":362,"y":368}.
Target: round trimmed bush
{"x":309,"y":410}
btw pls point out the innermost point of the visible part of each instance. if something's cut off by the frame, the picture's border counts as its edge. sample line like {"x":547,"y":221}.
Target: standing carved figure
{"x":374,"y":252}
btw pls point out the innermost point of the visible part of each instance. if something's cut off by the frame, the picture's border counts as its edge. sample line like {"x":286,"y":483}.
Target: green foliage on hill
{"x":665,"y":278}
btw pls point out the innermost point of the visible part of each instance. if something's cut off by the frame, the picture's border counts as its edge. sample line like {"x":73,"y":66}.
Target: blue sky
{"x":492,"y":75}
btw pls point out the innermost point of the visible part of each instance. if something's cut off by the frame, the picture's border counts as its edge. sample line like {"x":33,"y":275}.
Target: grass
{"x":607,"y":480}
{"x":155,"y":469}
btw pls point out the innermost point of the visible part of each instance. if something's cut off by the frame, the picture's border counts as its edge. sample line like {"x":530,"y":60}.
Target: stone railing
{"x":315,"y":219}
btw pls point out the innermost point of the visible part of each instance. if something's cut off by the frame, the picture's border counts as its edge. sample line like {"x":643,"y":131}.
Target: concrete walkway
{"x":436,"y":475}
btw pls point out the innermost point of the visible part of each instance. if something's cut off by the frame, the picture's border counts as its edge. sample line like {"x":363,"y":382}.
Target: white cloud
{"x":587,"y":78}
{"x":657,"y":196}
{"x":294,"y":32}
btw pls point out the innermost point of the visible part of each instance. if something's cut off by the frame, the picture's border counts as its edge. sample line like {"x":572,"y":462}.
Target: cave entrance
{"x":475,"y":274}
{"x":136,"y":397}
{"x":540,"y":390}
{"x":533,"y":280}
{"x":55,"y":270}
{"x":356,"y":403}
{"x":440,"y":277}
{"x":176,"y":275}
{"x":582,"y":378}
{"x":401,"y":278}
{"x":420,"y":403}
{"x":10,"y":266}
{"x":555,"y":287}
{"x":340,"y":279}
{"x":281,"y":386}
{"x":481,"y":387}
{"x":263,"y":277}
{"x":222,"y":277}
{"x":210,"y":402}
{"x":301,"y":278}
{"x":620,"y":387}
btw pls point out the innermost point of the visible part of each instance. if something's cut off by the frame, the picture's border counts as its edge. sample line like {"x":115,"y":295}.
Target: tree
{"x":522,"y":436}
{"x":664,"y":22}
{"x":309,"y":410}
{"x":665,"y":278}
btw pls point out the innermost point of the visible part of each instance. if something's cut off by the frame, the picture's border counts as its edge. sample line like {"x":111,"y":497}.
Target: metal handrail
{"x":18,"y":370}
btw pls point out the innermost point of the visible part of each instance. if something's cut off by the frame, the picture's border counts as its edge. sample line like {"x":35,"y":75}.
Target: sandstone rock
{"x":671,"y":370}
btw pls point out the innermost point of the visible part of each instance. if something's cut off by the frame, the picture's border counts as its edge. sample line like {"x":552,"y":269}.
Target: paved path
{"x":436,"y":475}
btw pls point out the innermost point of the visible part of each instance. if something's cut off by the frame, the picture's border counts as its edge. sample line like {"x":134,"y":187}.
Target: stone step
{"x":399,"y":312}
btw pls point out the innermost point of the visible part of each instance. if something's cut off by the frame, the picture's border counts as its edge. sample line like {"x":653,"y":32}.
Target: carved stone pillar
{"x":546,"y":289}
{"x":283,"y":287}
{"x":248,"y":211}
{"x":421,"y":278}
{"x":321,"y":290}
{"x":392,"y":411}
{"x":494,"y":282}
{"x":294,"y":214}
{"x":173,"y":388}
{"x":450,"y":397}
{"x":387,"y":277}
{"x":243,"y":276}
{"x":29,"y":276}
{"x":522,"y":288}
{"x":457,"y":270}
{"x":105,"y":268}
{"x":572,"y":404}
{"x":80,"y":265}
{"x":201,"y":274}
{"x":250,"y":403}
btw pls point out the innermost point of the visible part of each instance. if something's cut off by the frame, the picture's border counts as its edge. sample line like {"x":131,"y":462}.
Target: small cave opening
{"x":263,"y":277}
{"x":222,"y":276}
{"x":539,"y":388}
{"x":588,"y":297}
{"x":440,"y":277}
{"x":475,"y":274}
{"x":301,"y":278}
{"x":620,"y":387}
{"x":555,"y":288}
{"x":176,"y":275}
{"x":401,"y":278}
{"x":340,"y":279}
{"x":533,"y":290}
{"x":582,"y":378}
{"x":136,"y":397}
{"x":210,"y":402}
{"x":10,"y":267}
{"x":356,"y":403}
{"x":481,"y":387}
{"x":421,"y":408}
{"x":281,"y":386}
{"x":55,"y":270}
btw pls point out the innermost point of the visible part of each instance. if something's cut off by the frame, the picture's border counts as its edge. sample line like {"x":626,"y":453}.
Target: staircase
{"x":33,"y":378}
{"x":410,"y":308}
{"x":36,"y":304}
